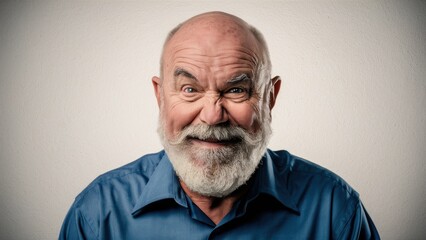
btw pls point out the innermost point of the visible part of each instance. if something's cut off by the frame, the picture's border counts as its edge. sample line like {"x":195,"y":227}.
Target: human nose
{"x":213,"y":112}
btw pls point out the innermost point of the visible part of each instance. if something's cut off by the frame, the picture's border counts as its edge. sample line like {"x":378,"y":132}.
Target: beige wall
{"x":76,"y":98}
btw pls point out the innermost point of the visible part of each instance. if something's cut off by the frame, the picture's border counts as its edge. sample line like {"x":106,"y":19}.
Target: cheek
{"x":177,"y":114}
{"x":244,"y":115}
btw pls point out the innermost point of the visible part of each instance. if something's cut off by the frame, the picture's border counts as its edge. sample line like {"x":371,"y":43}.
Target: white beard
{"x":216,"y":172}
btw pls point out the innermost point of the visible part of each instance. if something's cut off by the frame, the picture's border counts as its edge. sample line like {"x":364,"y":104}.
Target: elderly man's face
{"x":211,"y":106}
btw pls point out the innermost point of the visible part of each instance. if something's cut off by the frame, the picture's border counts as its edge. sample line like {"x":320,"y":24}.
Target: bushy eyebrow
{"x":182,"y":72}
{"x":240,"y":79}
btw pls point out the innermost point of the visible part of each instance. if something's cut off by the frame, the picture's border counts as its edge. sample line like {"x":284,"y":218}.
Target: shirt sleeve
{"x":359,"y":226}
{"x":75,"y":226}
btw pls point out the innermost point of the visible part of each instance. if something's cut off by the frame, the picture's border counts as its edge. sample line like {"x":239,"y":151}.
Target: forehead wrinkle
{"x":191,"y":58}
{"x":195,"y":64}
{"x":235,"y":61}
{"x":235,"y":58}
{"x":240,"y":56}
{"x":191,"y":67}
{"x":249,"y":51}
{"x":200,"y":48}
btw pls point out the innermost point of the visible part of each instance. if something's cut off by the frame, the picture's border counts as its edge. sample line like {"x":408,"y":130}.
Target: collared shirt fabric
{"x":288,"y":198}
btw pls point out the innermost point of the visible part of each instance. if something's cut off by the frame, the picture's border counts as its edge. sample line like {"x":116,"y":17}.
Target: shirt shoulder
{"x":315,"y":189}
{"x":299,"y":170}
{"x":126,"y":182}
{"x":111,"y":196}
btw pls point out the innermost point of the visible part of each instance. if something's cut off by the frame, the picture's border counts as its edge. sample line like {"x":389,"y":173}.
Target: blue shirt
{"x":288,"y":198}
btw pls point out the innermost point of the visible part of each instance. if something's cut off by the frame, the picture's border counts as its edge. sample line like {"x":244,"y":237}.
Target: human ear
{"x":276,"y":85}
{"x":156,"y":82}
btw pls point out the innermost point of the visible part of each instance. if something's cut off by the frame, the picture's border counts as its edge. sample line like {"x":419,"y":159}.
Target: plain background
{"x":76,"y":98}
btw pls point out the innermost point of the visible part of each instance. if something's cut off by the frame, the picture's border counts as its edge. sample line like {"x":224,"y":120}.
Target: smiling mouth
{"x":214,"y":141}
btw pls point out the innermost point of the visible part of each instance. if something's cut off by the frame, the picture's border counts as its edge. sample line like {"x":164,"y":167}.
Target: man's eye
{"x":189,"y":90}
{"x":236,"y":90}
{"x":237,"y":94}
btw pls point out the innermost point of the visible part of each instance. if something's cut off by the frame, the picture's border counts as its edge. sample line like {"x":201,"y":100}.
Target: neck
{"x":214,"y":207}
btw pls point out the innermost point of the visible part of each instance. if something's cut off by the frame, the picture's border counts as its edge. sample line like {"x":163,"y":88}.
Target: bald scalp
{"x":224,"y":23}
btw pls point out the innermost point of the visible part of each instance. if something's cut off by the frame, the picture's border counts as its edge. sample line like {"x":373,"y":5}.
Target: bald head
{"x":223,"y":23}
{"x":225,"y":26}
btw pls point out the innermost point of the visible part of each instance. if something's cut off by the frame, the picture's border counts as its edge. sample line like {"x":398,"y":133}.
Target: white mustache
{"x":220,"y":133}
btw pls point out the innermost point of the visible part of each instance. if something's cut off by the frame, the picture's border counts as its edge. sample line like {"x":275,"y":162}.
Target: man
{"x":216,"y":179}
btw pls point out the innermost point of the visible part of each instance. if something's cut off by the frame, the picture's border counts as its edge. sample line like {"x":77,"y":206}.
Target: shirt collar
{"x":163,"y":184}
{"x":271,"y":180}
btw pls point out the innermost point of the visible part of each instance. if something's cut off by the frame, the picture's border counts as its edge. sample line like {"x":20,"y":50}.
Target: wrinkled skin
{"x":209,"y":76}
